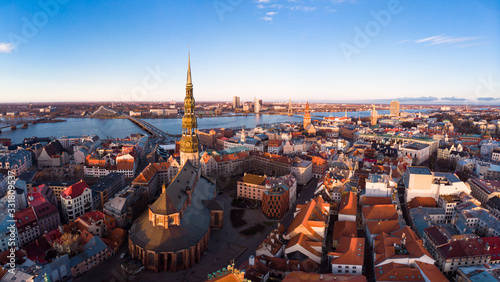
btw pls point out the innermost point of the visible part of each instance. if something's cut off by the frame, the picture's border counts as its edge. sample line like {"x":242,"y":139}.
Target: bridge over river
{"x":151,"y":129}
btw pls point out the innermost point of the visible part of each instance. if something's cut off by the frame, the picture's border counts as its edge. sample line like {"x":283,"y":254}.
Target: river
{"x":120,"y":128}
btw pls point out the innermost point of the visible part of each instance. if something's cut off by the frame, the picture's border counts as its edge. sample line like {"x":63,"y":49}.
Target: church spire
{"x":307,"y":116}
{"x":189,"y":141}
{"x":189,"y":71}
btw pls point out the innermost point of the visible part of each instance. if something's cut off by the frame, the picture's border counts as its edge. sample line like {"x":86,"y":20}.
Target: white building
{"x":302,"y":171}
{"x":421,"y":182}
{"x":292,"y":147}
{"x":495,"y":155}
{"x":275,"y":147}
{"x":76,"y":200}
{"x":378,"y":186}
{"x":419,"y":152}
{"x":348,"y":257}
{"x":116,"y":207}
{"x":244,"y":141}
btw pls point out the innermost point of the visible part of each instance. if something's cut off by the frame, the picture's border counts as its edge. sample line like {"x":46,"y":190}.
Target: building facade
{"x":76,"y":200}
{"x":394,"y":109}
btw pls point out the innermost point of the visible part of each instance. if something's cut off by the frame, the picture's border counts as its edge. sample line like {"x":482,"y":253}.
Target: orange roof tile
{"x":306,"y":243}
{"x":318,"y":161}
{"x":125,"y":164}
{"x":388,"y":226}
{"x":399,"y":244}
{"x":146,"y":175}
{"x":349,"y":204}
{"x":381,"y":212}
{"x":431,"y":272}
{"x":350,"y":251}
{"x":422,"y":202}
{"x":310,"y":214}
{"x":299,"y":276}
{"x":344,"y":229}
{"x":253,"y":179}
{"x":397,"y":272}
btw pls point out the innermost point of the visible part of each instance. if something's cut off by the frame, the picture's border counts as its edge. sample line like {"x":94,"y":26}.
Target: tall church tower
{"x":189,"y":140}
{"x":307,"y":116}
{"x":373,"y":116}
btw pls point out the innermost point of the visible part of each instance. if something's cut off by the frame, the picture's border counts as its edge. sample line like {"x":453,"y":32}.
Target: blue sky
{"x":317,"y":50}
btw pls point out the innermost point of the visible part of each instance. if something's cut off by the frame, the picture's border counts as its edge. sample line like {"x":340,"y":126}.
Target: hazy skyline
{"x":320,"y":50}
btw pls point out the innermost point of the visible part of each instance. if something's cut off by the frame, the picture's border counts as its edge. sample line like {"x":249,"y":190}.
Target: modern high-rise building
{"x":257,"y":106}
{"x":189,"y":140}
{"x":394,"y":109}
{"x":236,"y":102}
{"x":373,"y":116}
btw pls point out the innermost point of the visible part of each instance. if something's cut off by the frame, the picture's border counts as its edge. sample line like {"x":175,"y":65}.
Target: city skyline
{"x":429,"y":53}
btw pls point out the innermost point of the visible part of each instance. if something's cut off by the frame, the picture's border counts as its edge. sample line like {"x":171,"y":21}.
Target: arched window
{"x":151,"y":259}
{"x":216,"y":219}
{"x":180,"y":260}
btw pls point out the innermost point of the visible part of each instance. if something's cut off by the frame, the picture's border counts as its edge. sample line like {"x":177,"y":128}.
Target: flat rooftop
{"x":419,"y":170}
{"x":253,"y":179}
{"x":416,"y":146}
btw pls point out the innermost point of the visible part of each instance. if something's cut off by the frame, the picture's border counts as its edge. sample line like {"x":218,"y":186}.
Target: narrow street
{"x":404,"y":207}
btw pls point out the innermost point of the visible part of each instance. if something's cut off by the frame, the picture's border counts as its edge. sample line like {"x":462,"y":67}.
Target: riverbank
{"x":107,"y":128}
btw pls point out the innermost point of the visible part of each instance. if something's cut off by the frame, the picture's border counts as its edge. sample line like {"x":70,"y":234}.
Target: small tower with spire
{"x":189,"y":141}
{"x":243,"y":137}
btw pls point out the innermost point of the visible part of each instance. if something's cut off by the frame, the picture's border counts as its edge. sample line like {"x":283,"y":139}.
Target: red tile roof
{"x":377,"y":227}
{"x":463,"y":249}
{"x":36,"y":199}
{"x":349,"y":204}
{"x":349,"y":251}
{"x":24,"y":217}
{"x":494,"y":244}
{"x":310,"y":215}
{"x":344,"y":229}
{"x":305,"y":242}
{"x":380,"y":212}
{"x":275,"y":143}
{"x":319,"y":161}
{"x":431,"y":272}
{"x":45,"y":209}
{"x":399,"y":244}
{"x":422,"y":202}
{"x":397,"y":272}
{"x":299,"y":276}
{"x":75,"y":190}
{"x":53,"y":235}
